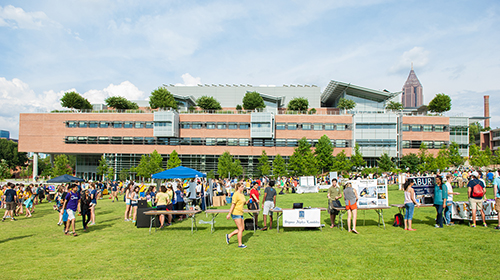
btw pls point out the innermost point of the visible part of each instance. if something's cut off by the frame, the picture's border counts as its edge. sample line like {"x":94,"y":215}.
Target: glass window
{"x":280,"y":126}
{"x":318,"y":126}
{"x":117,"y":124}
{"x":149,"y":124}
{"x":329,"y":126}
{"x":269,"y":142}
{"x":406,"y":144}
{"x":103,"y":140}
{"x":340,"y":143}
{"x":244,"y":142}
{"x":92,"y":140}
{"x":280,"y":142}
{"x":185,"y":125}
{"x":139,"y":125}
{"x":257,"y":142}
{"x":138,"y":141}
{"x":196,"y":125}
{"x":427,"y":128}
{"x":103,"y":124}
{"x":429,"y":144}
{"x":116,"y":140}
{"x":128,"y":140}
{"x":81,"y":140}
{"x":416,"y":128}
{"x":93,"y":124}
{"x":196,"y":141}
{"x":71,"y":124}
{"x":221,"y":142}
{"x":439,"y":128}
{"x":261,"y":124}
{"x":128,"y":124}
{"x":70,"y":140}
{"x":406,"y":127}
{"x":210,"y":125}
{"x":210,"y":141}
{"x":244,"y":125}
{"x":232,"y":142}
{"x":291,"y":126}
{"x":306,"y":126}
{"x":232,"y":126}
{"x":221,"y":125}
{"x":341,"y":126}
{"x":292,"y":142}
{"x":82,"y":124}
{"x":185,"y":141}
{"x":174,"y":141}
{"x":439,"y":144}
{"x":149,"y":140}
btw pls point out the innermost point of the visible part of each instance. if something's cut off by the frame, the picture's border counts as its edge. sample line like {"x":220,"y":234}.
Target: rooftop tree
{"x":253,"y":100}
{"x":208,"y":103}
{"x":441,"y":103}
{"x":162,"y":98}
{"x":395,"y":106}
{"x":121,"y":103}
{"x":75,"y":100}
{"x":298,"y":104}
{"x":346,"y":104}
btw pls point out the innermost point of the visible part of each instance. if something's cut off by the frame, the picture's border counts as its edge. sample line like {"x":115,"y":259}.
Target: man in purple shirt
{"x":71,"y":205}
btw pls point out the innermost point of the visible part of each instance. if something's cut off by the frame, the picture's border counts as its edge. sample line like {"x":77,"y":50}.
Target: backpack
{"x":249,"y":224}
{"x":398,"y":220}
{"x":477,"y":191}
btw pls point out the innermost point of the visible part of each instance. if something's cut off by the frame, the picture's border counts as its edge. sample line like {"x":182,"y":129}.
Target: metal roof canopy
{"x":336,"y":89}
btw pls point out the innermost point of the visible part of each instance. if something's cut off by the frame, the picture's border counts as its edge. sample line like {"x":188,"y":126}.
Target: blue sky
{"x":104,"y":48}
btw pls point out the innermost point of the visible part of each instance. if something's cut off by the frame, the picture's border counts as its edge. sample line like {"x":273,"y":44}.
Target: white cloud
{"x":18,"y":18}
{"x":125,"y":89}
{"x":418,"y":56}
{"x":189,"y":80}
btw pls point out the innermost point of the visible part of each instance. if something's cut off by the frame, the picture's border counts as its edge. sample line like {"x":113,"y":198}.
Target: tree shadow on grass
{"x":15,"y":238}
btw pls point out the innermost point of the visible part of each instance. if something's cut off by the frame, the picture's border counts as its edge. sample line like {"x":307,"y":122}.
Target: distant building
{"x":413,"y":92}
{"x":4,"y":134}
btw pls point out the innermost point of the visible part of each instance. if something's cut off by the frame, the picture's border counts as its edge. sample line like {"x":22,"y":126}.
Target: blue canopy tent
{"x":65,"y":179}
{"x":180,"y":172}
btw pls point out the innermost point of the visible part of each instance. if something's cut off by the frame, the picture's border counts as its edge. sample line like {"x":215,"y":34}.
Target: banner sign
{"x":371,"y":193}
{"x":302,"y":218}
{"x":423,"y":185}
{"x":461,"y":210}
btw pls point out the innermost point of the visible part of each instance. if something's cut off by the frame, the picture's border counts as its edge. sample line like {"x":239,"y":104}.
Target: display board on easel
{"x":371,"y":193}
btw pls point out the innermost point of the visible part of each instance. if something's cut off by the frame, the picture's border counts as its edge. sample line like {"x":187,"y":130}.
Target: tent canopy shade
{"x":178,"y":172}
{"x":65,"y":179}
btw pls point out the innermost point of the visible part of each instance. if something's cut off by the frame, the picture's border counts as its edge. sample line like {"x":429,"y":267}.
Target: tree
{"x":149,"y":164}
{"x":142,"y":169}
{"x":298,"y":104}
{"x":253,"y":100}
{"x":410,"y":162}
{"x":474,"y":130}
{"x":454,"y":156}
{"x":124,"y":174}
{"x":264,"y":167}
{"x":395,"y":106}
{"x":385,"y":163}
{"x":75,"y":100}
{"x":9,"y":152}
{"x":441,"y":103}
{"x":155,"y":162}
{"x":211,"y":174}
{"x":341,"y":162}
{"x":110,"y":174}
{"x":120,"y":103}
{"x":61,"y":166}
{"x":477,"y":157}
{"x":238,"y":107}
{"x":443,"y":159}
{"x":496,"y":158}
{"x":208,"y":103}
{"x":302,"y":162}
{"x":346,"y":104}
{"x":4,"y":170}
{"x":103,"y":167}
{"x":227,"y":166}
{"x":173,"y":160}
{"x":162,"y":98}
{"x":44,"y":167}
{"x":357,"y":159}
{"x":324,"y":154}
{"x":279,"y":166}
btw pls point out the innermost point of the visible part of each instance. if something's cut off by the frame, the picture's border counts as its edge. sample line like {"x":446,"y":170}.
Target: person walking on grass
{"x":351,"y":200}
{"x":334,"y":196}
{"x":410,"y":203}
{"x":268,"y":203}
{"x":440,"y":200}
{"x":253,"y":203}
{"x":128,"y":191}
{"x":476,"y":199}
{"x":10,"y":198}
{"x":496,"y":191}
{"x":236,"y":213}
{"x":71,"y":205}
{"x":85,"y":205}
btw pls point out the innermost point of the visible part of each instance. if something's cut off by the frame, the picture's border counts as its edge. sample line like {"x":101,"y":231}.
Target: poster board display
{"x":302,"y":218}
{"x":461,"y":211}
{"x":371,"y":193}
{"x":307,"y":181}
{"x":424,"y":186}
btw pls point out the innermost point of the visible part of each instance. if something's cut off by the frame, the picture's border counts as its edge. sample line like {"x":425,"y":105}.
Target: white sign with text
{"x":302,"y":218}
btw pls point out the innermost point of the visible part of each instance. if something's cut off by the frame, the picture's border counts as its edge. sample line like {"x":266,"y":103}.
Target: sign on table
{"x":302,"y":218}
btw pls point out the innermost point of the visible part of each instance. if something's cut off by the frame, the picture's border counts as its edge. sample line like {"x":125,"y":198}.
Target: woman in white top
{"x":410,"y":203}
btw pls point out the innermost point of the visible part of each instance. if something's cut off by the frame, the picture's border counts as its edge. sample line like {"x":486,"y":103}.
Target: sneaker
{"x":13,"y":219}
{"x":497,"y":227}
{"x":472,"y":225}
{"x":485,"y":225}
{"x":242,"y":246}
{"x":436,"y":226}
{"x":227,"y":239}
{"x":126,"y":220}
{"x":3,"y":219}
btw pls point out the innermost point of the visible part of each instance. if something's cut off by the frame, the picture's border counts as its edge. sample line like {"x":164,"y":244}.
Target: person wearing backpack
{"x":496,"y":189}
{"x":476,"y":191}
{"x":410,"y":203}
{"x":440,"y":197}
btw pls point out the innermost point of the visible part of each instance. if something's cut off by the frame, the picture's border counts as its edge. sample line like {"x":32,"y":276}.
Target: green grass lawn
{"x":36,"y":248}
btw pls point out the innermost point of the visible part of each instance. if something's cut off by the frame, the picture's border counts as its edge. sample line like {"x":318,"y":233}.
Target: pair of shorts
{"x":127,"y":201}
{"x":497,"y":204}
{"x":409,"y":209}
{"x":475,"y":203}
{"x":161,"y":207}
{"x":170,"y":207}
{"x":234,"y":217}
{"x":10,"y":205}
{"x":71,"y":214}
{"x":268,"y":205}
{"x":350,"y":206}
